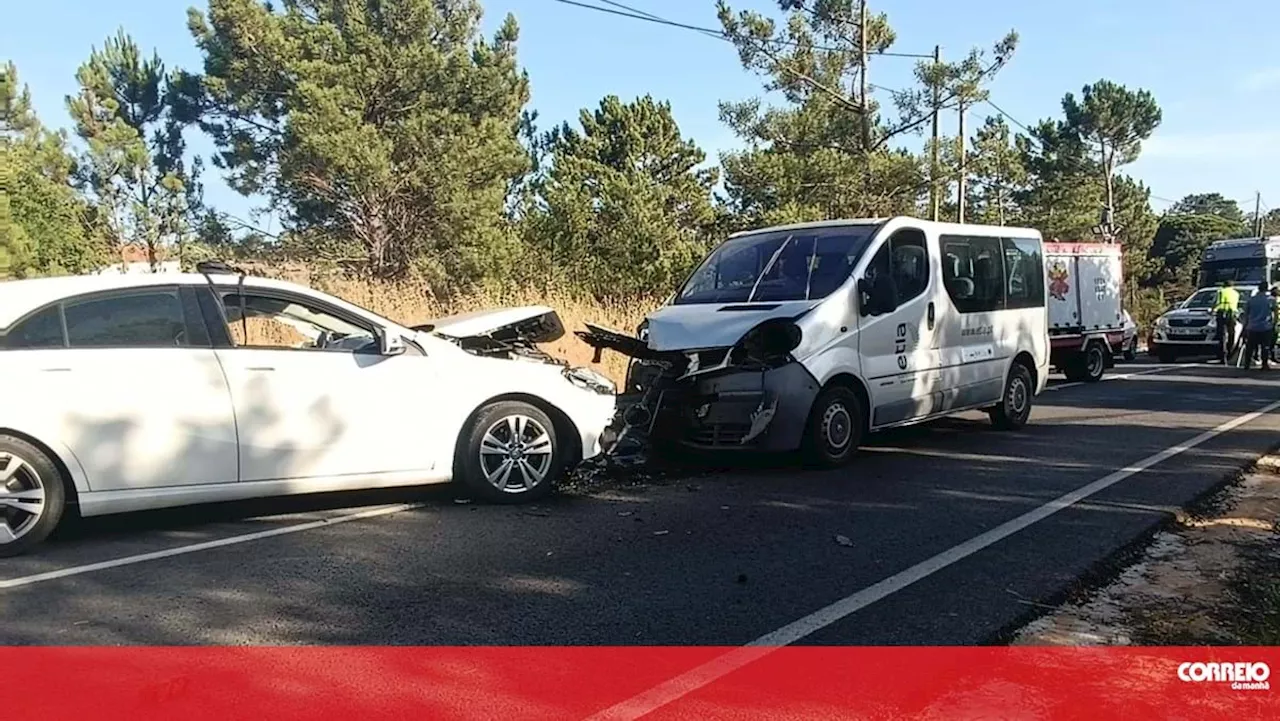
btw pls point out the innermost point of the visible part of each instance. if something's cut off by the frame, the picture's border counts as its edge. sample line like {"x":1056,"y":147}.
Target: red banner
{"x":282,"y":684}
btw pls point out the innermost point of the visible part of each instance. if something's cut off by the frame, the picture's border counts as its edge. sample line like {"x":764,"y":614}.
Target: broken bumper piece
{"x":726,"y":408}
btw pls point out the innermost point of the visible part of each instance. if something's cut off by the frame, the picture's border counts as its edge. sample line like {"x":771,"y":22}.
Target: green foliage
{"x":625,"y":206}
{"x":826,"y":153}
{"x":996,"y":172}
{"x":1112,"y":121}
{"x":131,"y":114}
{"x":1186,"y":230}
{"x":42,"y":219}
{"x":393,"y":124}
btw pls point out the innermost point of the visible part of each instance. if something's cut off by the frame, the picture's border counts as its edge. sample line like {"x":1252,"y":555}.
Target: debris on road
{"x":844,"y":540}
{"x":1210,"y":580}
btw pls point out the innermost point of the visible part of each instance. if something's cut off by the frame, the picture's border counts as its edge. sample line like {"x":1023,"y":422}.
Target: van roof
{"x":941,"y":227}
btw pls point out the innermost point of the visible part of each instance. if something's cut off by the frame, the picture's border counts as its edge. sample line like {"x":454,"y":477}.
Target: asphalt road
{"x":722,"y":558}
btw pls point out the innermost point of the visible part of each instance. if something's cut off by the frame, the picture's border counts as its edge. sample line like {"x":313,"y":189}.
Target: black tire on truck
{"x":1087,"y":366}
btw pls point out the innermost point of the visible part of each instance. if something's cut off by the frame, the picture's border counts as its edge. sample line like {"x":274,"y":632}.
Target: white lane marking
{"x":1120,"y":377}
{"x":725,"y":664}
{"x":229,"y":541}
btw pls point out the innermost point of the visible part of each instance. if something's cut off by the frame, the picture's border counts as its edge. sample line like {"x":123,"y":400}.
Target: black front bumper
{"x":763,"y":410}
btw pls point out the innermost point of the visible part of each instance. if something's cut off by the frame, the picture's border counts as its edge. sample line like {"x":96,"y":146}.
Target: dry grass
{"x":413,"y":303}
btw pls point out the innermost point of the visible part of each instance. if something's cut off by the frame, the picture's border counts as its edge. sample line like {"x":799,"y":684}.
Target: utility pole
{"x":934,"y":190}
{"x":963,"y":170}
{"x":865,"y":106}
{"x":1257,"y":213}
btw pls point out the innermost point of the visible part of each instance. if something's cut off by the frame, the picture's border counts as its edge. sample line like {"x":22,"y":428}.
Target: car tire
{"x":1014,"y":409}
{"x":510,"y":453}
{"x":837,"y":423}
{"x":33,"y":496}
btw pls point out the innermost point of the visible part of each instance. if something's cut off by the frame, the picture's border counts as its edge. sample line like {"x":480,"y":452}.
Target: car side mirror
{"x":389,"y":344}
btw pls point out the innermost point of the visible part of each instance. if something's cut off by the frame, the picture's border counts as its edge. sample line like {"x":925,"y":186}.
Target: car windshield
{"x":802,"y":264}
{"x":1209,"y":296}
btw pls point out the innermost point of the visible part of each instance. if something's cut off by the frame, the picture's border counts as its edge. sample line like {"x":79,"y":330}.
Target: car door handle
{"x":262,"y":369}
{"x":931,"y":315}
{"x":56,"y":370}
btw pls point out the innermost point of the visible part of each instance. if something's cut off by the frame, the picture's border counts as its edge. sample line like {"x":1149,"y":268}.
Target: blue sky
{"x":1209,"y":67}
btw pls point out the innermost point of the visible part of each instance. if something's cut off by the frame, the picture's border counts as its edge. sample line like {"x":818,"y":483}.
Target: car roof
{"x":19,"y":297}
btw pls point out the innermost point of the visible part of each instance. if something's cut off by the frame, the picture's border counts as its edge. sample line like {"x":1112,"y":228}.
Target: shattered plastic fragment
{"x":760,"y":420}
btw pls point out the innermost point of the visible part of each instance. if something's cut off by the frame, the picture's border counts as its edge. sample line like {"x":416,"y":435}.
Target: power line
{"x":634,"y":14}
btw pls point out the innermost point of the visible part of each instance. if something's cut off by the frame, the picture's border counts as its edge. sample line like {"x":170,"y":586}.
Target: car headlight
{"x":1162,"y":323}
{"x":589,"y":380}
{"x":1213,"y":322}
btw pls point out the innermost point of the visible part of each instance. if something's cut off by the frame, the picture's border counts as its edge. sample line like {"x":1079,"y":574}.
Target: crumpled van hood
{"x":714,"y":325}
{"x":531,"y":324}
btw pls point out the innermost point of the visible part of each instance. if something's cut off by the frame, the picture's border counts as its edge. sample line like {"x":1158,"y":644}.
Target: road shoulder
{"x":1212,"y":577}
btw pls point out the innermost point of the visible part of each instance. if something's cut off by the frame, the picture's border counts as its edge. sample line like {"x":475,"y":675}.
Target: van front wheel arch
{"x":836,"y":426}
{"x":1014,"y":409}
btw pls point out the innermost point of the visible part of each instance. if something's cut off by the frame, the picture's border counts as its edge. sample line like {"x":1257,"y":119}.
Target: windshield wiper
{"x":772,"y":259}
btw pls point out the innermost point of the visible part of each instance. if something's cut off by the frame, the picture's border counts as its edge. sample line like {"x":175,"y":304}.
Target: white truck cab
{"x":808,"y":336}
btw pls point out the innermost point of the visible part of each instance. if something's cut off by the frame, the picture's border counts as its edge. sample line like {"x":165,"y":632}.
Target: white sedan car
{"x":133,"y":392}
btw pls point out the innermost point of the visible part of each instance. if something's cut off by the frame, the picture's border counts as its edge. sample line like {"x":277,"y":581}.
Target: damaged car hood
{"x":704,"y":325}
{"x":529,"y":324}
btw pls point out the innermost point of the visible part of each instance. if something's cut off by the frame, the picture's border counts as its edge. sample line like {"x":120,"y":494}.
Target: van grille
{"x":718,"y":435}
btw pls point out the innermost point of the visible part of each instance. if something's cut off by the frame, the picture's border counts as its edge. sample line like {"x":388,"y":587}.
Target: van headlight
{"x":589,"y":380}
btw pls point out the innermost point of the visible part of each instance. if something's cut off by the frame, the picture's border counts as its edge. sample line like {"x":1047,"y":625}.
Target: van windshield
{"x":802,"y":264}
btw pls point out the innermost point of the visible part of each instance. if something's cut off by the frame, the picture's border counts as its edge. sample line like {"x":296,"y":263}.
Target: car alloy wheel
{"x":516,"y":454}
{"x":22,"y":497}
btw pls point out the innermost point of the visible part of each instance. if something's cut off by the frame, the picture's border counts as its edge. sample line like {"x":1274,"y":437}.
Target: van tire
{"x":1014,"y":409}
{"x":835,"y":429}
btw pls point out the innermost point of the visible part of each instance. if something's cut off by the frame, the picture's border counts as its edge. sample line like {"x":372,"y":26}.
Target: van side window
{"x":909,"y":264}
{"x":973,"y":273}
{"x":1024,"y":273}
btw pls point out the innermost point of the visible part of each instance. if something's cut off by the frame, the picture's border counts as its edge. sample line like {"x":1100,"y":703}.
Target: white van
{"x":808,"y":336}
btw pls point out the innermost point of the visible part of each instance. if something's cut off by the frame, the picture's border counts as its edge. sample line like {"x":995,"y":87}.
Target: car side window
{"x":42,"y":330}
{"x":140,"y":319}
{"x":973,"y":273}
{"x":260,"y":320}
{"x":1023,"y":273}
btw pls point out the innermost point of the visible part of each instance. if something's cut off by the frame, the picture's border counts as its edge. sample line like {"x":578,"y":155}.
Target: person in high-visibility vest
{"x":1227,"y":308}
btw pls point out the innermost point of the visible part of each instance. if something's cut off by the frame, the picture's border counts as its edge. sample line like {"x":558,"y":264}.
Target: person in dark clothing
{"x":1259,"y":325}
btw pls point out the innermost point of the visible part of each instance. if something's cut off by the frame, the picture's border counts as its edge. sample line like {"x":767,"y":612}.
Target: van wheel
{"x":32,"y":496}
{"x":1015,"y":404}
{"x":835,"y":428}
